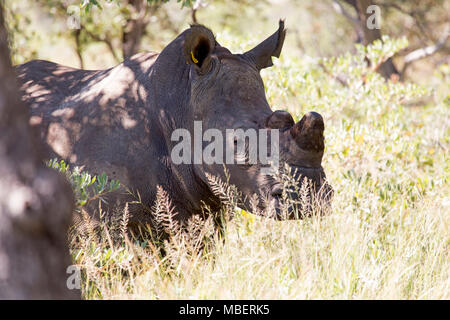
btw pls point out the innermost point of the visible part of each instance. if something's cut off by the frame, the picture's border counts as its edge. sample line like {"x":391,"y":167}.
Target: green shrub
{"x":86,"y":187}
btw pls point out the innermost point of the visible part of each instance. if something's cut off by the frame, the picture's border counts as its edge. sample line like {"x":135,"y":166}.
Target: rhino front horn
{"x":308,"y":132}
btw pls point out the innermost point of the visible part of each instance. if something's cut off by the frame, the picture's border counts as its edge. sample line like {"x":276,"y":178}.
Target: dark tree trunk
{"x":135,"y":26}
{"x":386,"y":69}
{"x":35,"y":203}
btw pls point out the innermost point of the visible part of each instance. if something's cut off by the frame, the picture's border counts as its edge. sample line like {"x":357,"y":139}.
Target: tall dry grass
{"x":344,"y":255}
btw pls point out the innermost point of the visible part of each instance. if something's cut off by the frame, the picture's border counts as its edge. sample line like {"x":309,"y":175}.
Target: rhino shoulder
{"x":44,"y":84}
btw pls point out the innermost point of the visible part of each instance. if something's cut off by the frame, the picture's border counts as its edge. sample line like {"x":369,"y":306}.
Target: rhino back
{"x":98,"y":119}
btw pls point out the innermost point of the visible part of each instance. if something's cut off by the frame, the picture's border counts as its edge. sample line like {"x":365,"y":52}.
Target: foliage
{"x":88,"y":4}
{"x":86,"y":187}
{"x":315,"y":28}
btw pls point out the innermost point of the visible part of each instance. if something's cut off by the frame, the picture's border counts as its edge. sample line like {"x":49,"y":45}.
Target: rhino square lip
{"x":277,"y":190}
{"x":314,"y":174}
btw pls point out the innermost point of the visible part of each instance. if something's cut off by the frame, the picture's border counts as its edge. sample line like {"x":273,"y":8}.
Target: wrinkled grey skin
{"x":120,"y":120}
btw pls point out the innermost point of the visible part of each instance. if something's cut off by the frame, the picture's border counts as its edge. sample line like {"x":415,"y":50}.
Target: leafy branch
{"x":86,"y":187}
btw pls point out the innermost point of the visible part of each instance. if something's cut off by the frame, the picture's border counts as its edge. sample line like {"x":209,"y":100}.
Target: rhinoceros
{"x":120,"y":120}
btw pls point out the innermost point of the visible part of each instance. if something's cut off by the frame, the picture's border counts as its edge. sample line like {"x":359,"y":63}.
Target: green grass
{"x":386,"y":237}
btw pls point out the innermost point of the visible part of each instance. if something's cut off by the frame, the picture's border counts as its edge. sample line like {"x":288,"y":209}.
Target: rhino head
{"x":227,"y":93}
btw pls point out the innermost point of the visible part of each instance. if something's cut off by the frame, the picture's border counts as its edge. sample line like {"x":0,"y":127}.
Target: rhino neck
{"x":169,"y":88}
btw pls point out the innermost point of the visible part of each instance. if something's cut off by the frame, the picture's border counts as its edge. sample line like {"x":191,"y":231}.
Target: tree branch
{"x":78,"y":48}
{"x":106,"y":41}
{"x":339,"y":8}
{"x":426,"y":51}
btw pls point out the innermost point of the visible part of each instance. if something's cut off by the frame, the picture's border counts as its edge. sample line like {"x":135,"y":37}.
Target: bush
{"x":86,"y":187}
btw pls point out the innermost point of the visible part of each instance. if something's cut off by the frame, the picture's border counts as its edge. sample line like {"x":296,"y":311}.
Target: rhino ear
{"x":261,"y":55}
{"x":198,"y":46}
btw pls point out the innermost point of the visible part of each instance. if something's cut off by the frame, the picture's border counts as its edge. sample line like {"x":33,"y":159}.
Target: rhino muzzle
{"x":301,"y":147}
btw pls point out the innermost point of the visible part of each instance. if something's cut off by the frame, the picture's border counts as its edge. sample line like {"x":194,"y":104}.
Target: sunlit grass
{"x":349,"y":254}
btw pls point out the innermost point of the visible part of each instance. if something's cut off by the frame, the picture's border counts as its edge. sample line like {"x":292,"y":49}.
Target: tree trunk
{"x":135,"y":26}
{"x":35,"y":203}
{"x":387,"y":69}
